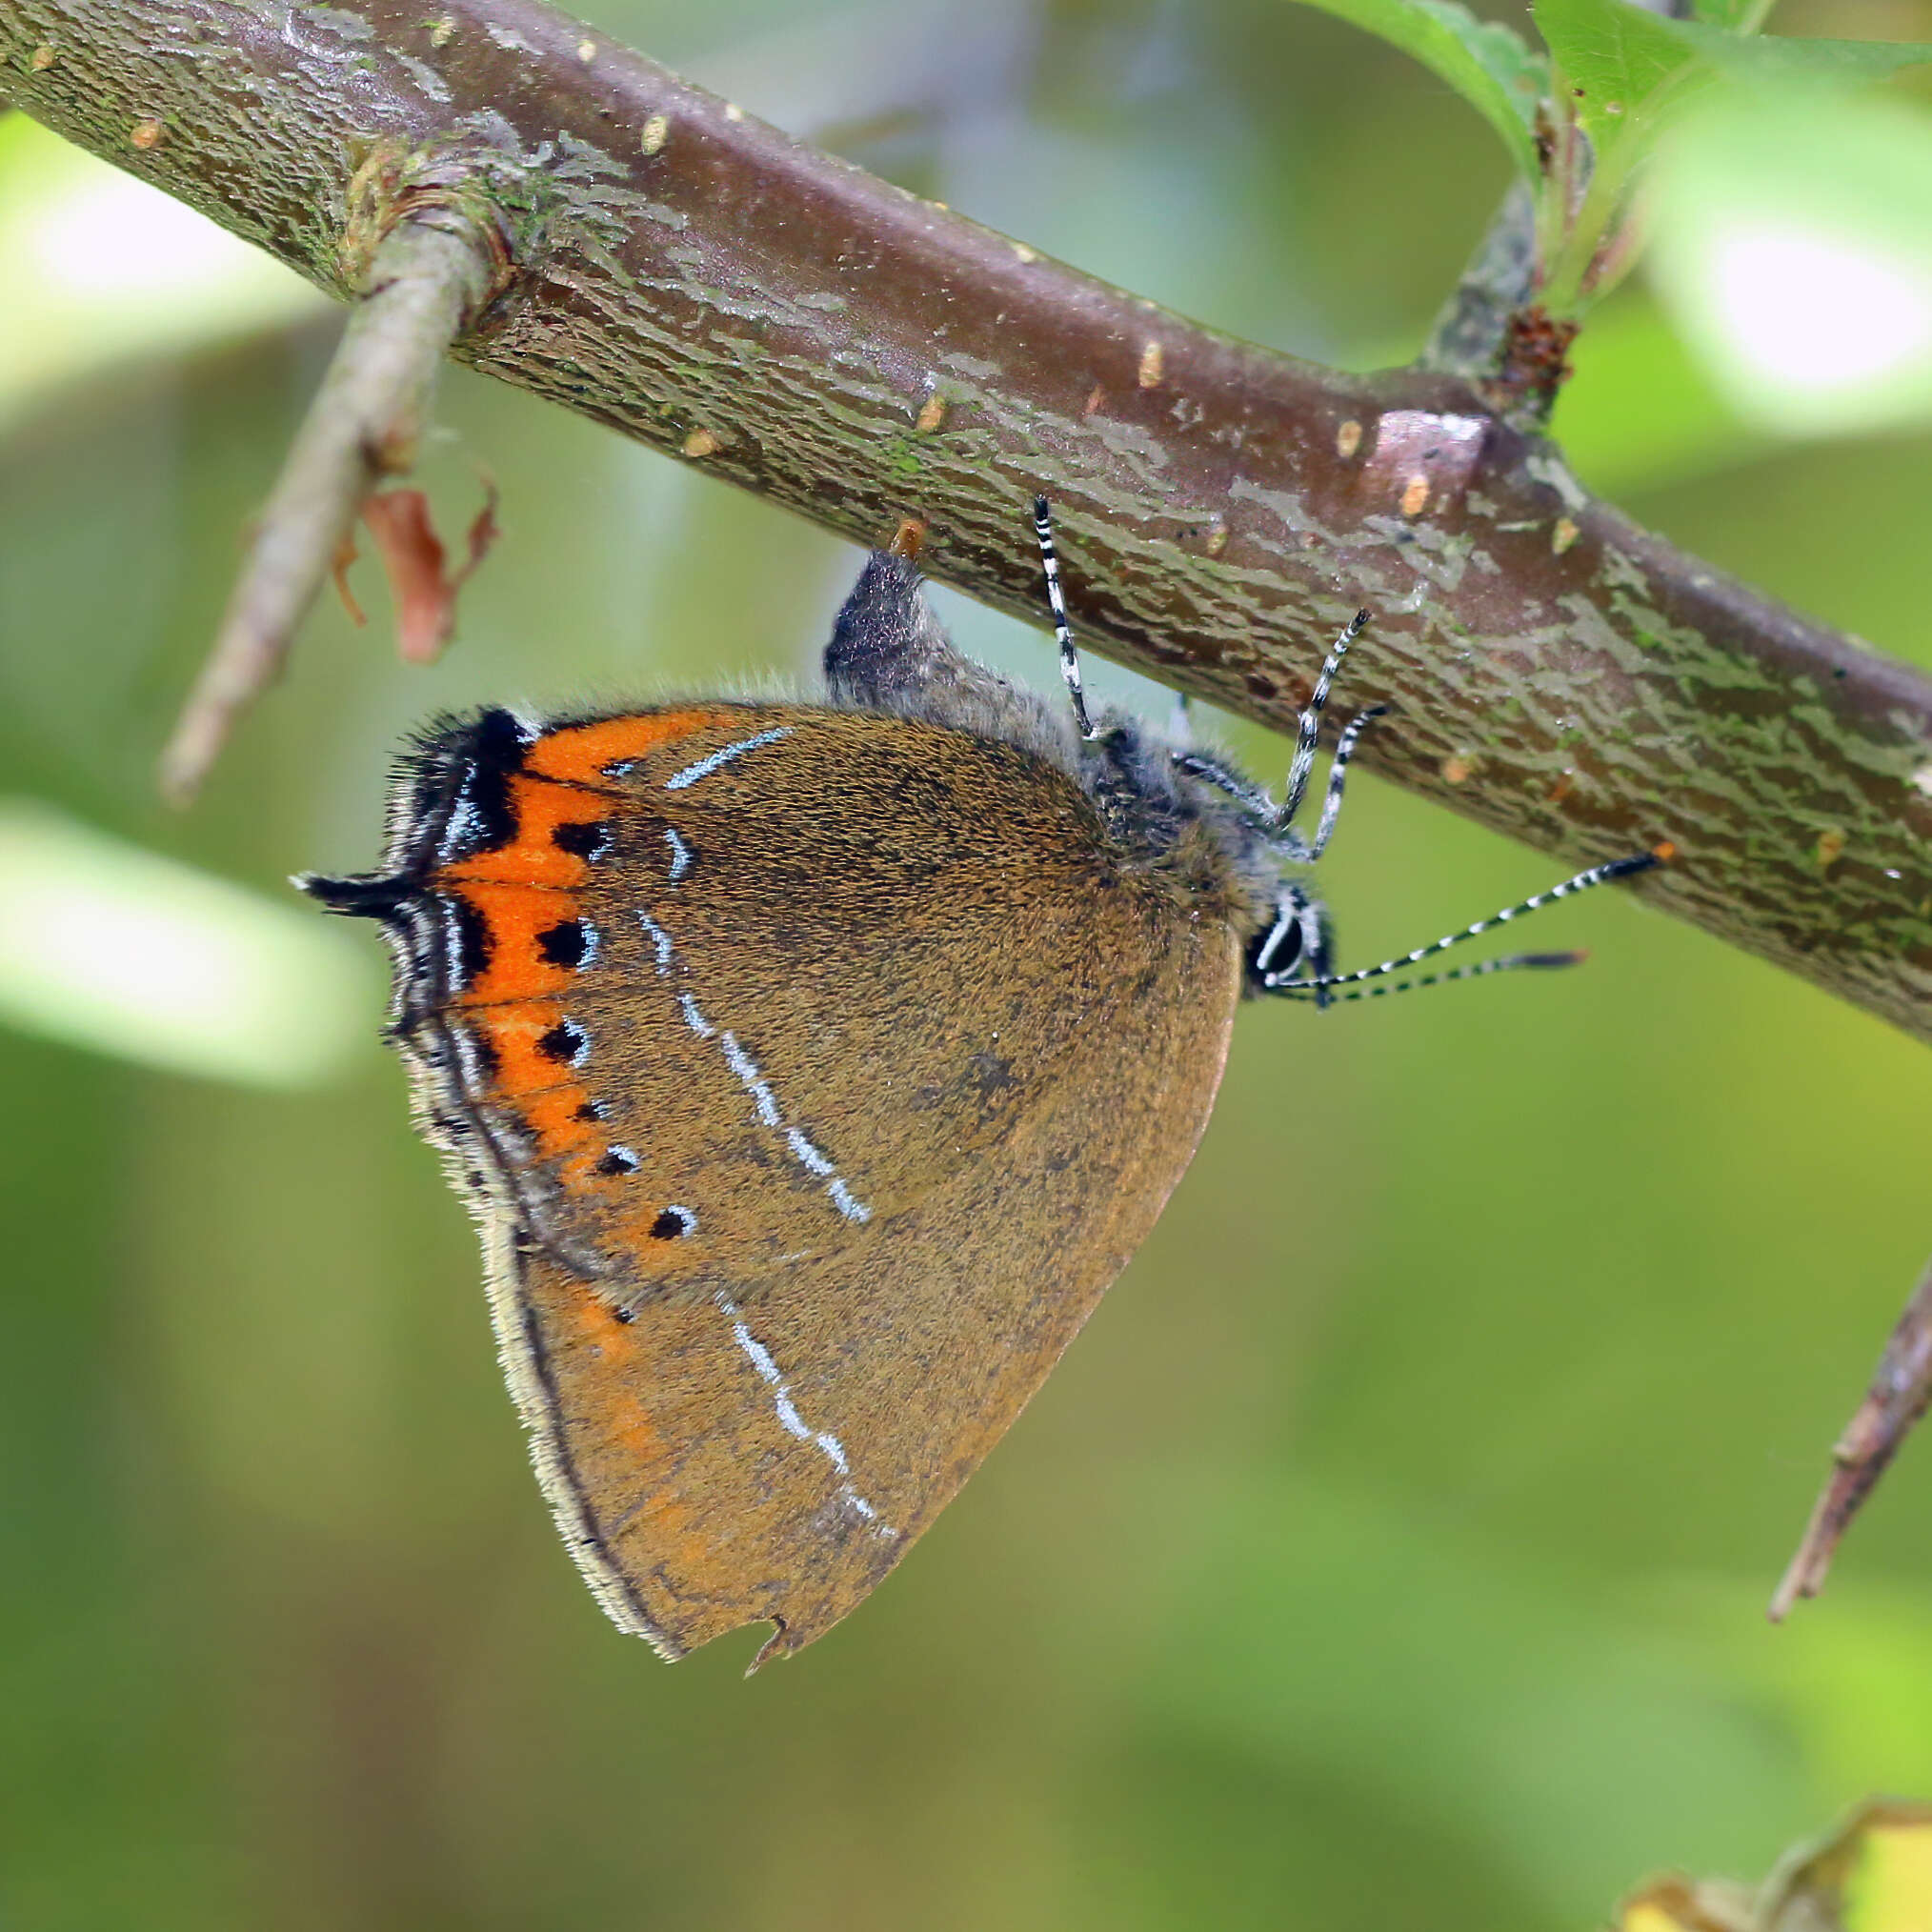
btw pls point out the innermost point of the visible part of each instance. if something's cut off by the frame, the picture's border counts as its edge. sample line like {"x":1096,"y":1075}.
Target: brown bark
{"x":695,"y":279}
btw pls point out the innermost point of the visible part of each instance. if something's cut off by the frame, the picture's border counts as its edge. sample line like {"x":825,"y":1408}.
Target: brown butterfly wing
{"x":897,"y":1087}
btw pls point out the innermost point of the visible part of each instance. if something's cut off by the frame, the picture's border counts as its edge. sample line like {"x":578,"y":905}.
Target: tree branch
{"x":696,"y":280}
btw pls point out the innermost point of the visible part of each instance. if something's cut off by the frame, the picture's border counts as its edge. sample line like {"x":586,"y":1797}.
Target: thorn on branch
{"x":1900,"y":1393}
{"x":424,"y":281}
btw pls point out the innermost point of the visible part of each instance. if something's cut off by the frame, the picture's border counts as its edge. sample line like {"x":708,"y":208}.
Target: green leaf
{"x":1615,"y":59}
{"x":1490,"y":66}
{"x":1620,"y":60}
{"x":1738,"y":16}
{"x":1772,"y":59}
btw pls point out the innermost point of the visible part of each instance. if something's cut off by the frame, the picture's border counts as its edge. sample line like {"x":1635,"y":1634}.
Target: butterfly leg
{"x":1243,"y":791}
{"x":888,"y":649}
{"x":1344,"y":750}
{"x":1311,"y":721}
{"x":1063,"y":630}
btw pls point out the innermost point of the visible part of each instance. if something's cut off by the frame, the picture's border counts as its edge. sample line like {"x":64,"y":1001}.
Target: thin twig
{"x":364,"y":425}
{"x":1900,"y":1393}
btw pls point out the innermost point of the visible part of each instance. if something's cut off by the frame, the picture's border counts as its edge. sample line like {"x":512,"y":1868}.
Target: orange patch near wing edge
{"x":553,"y":1118}
{"x":515,"y":916}
{"x":523,"y":1069}
{"x":661,"y":1519}
{"x":545,"y":1093}
{"x":579,"y":753}
{"x":533,"y":858}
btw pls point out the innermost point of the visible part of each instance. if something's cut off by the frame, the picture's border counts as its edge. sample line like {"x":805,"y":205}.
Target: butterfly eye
{"x":1278,"y":949}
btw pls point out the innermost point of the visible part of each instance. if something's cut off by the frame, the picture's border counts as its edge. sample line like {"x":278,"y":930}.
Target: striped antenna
{"x":1598,"y":874}
{"x":1514,"y":962}
{"x":1063,"y":631}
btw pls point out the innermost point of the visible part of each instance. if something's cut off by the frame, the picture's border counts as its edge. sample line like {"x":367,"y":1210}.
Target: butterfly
{"x":811,"y":1070}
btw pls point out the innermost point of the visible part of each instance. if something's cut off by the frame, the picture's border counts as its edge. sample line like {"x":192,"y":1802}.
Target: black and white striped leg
{"x":1311,"y":720}
{"x":1063,"y":631}
{"x":1212,"y":772}
{"x":1598,"y":874}
{"x":1344,"y":750}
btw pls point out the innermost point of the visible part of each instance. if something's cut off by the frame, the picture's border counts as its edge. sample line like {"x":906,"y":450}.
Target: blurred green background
{"x":1391,"y":1551}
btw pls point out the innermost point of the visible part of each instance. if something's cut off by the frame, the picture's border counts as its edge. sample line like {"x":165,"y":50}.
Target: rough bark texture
{"x":697,"y":280}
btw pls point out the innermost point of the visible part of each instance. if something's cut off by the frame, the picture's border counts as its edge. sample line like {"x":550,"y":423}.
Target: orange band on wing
{"x":515,"y":919}
{"x":523,"y":1069}
{"x":605,"y":1402}
{"x":545,"y":1093}
{"x":538,"y":809}
{"x":552,"y":1117}
{"x":579,"y":753}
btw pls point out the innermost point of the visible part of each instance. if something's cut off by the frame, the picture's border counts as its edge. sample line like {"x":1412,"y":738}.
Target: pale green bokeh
{"x":127,"y":951}
{"x":101,"y":268}
{"x":1793,"y":247}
